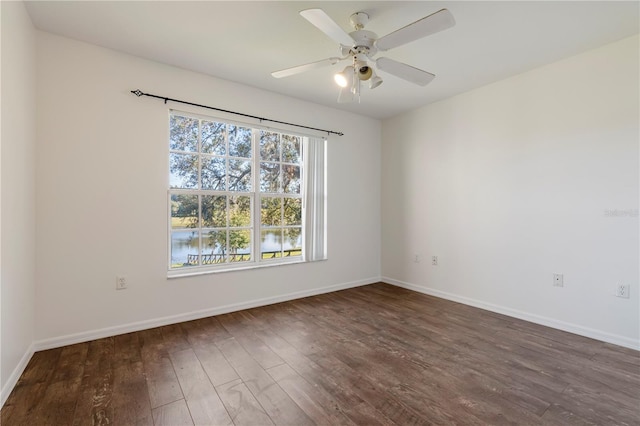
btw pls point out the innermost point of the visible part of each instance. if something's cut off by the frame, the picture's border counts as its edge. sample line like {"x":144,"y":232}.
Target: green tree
{"x":216,"y":214}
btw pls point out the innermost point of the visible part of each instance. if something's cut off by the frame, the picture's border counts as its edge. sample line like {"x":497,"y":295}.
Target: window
{"x":237,"y":195}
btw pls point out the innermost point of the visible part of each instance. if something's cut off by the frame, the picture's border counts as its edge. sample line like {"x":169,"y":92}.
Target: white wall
{"x":510,"y":183}
{"x":101,"y":192}
{"x":17,"y":225}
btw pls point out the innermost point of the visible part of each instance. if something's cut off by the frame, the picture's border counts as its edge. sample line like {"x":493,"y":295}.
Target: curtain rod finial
{"x":137,"y":92}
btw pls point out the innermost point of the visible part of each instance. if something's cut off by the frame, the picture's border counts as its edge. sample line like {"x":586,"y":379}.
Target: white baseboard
{"x":86,"y":336}
{"x":15,"y":375}
{"x":537,"y":319}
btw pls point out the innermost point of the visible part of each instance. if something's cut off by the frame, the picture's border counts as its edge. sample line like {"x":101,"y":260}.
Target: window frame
{"x":255,"y":196}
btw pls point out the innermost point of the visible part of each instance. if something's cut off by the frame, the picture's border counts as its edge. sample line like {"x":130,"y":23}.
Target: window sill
{"x":187,"y":272}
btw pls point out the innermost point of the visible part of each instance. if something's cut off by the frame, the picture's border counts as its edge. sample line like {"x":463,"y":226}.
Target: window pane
{"x":291,"y":149}
{"x":213,"y":138}
{"x":183,"y":169}
{"x":271,"y":243}
{"x":269,"y":177}
{"x":291,"y":179}
{"x":214,"y":247}
{"x":292,"y":242}
{"x":183,"y":133}
{"x":239,"y":211}
{"x":292,"y":211}
{"x":269,"y":146}
{"x":240,"y":245}
{"x":239,"y":175}
{"x":184,"y":211}
{"x":184,"y":248}
{"x":239,"y":141}
{"x":270,"y":211}
{"x":214,"y":211}
{"x":213,"y":173}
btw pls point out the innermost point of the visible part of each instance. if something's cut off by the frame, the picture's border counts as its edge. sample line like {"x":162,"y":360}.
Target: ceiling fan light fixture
{"x":374,"y":82}
{"x":364,"y":72}
{"x":345,"y":77}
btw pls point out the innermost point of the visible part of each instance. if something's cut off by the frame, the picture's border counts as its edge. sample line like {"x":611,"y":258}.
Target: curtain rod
{"x":139,"y":93}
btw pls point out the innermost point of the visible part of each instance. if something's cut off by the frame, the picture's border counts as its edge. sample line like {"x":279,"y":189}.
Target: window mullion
{"x":199,"y":187}
{"x":282,"y":198}
{"x":200,"y":221}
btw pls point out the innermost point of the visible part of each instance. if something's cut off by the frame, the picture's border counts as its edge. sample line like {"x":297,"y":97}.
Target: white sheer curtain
{"x":315,"y":199}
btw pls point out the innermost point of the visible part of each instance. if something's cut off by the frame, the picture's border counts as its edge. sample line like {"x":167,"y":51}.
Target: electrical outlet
{"x":434,"y":260}
{"x":558,"y":280}
{"x":417,"y":258}
{"x":121,"y":283}
{"x":622,"y":290}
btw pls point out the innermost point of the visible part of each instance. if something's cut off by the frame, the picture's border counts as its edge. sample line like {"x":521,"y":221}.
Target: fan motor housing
{"x":364,"y":43}
{"x":363,"y":38}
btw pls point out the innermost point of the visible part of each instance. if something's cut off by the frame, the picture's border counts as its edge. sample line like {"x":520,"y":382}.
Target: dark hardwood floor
{"x":367,"y":356}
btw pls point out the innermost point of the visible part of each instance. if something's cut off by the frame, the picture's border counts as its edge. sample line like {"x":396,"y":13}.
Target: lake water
{"x":186,"y":242}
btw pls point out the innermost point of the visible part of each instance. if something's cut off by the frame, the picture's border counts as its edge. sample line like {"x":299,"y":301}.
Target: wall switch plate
{"x":622,"y":290}
{"x":434,"y":260}
{"x":558,"y":280}
{"x":121,"y":283}
{"x":417,"y":258}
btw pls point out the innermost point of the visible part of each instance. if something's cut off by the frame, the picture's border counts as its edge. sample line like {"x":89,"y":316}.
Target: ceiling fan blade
{"x":441,"y":20}
{"x":404,"y":71}
{"x":324,"y":23}
{"x":306,"y":67}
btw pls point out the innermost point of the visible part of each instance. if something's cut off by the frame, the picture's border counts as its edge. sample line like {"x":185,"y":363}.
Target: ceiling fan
{"x":360,"y":46}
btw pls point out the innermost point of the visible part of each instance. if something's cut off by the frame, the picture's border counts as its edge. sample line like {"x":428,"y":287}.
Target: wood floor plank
{"x":71,"y":364}
{"x":127,"y":349}
{"x":389,"y":407}
{"x":162,"y":382}
{"x":370,"y":355}
{"x":172,"y":414}
{"x":342,"y":397}
{"x":601,"y":407}
{"x":314,"y":401}
{"x":59,"y":400}
{"x":175,"y":338}
{"x":204,"y":404}
{"x":23,"y":402}
{"x":282,"y":320}
{"x":242,"y":406}
{"x":130,"y":395}
{"x":58,"y":403}
{"x":94,"y":403}
{"x":556,"y":414}
{"x":276,"y":403}
{"x":204,"y":330}
{"x":358,"y":357}
{"x":41,"y":367}
{"x":215,"y":364}
{"x":241,"y":327}
{"x":161,"y":378}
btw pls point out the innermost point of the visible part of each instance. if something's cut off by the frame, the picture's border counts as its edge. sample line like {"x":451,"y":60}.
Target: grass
{"x":181,"y":222}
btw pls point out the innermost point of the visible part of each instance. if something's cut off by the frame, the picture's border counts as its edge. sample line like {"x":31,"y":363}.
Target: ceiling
{"x":245,"y":41}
